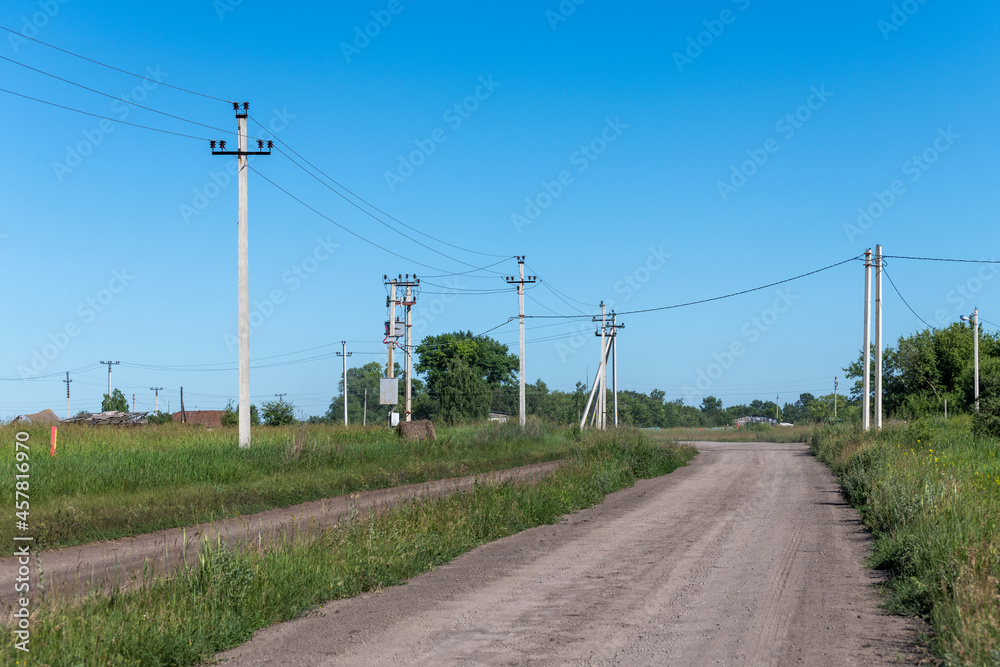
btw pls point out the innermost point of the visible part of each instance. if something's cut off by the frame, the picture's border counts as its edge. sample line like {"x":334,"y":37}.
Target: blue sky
{"x":637,"y":153}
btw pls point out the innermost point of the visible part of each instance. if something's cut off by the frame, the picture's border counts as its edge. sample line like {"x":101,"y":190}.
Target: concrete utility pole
{"x":109,"y":364}
{"x":866,"y":351}
{"x":345,"y":354}
{"x":776,"y":410}
{"x":601,"y":406}
{"x":364,"y":414}
{"x":243,"y":320}
{"x":520,"y":281}
{"x":67,"y":381}
{"x":390,"y":327}
{"x":408,"y":301}
{"x":974,"y":318}
{"x":157,"y":390}
{"x":133,"y":402}
{"x":593,"y":399}
{"x":878,"y":338}
{"x":281,"y":398}
{"x":834,"y":398}
{"x":614,"y":362}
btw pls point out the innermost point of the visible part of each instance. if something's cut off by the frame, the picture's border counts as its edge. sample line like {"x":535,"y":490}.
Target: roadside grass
{"x":219,"y":601}
{"x":105,"y":483}
{"x":930,"y":494}
{"x":754,"y":433}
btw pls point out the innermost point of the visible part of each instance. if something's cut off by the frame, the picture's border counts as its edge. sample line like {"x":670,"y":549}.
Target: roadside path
{"x":748,"y":556}
{"x":76,"y":570}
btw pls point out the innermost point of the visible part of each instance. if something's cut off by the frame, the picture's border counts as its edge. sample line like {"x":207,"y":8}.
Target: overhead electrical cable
{"x":97,"y":62}
{"x":114,"y":120}
{"x":940,"y":259}
{"x":714,"y":298}
{"x":905,"y":301}
{"x":376,"y":218}
{"x":373,"y":206}
{"x":114,"y":97}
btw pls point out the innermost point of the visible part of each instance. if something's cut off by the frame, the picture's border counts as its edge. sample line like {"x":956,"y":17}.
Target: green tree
{"x":278,"y":413}
{"x":231,"y":416}
{"x":462,"y":393}
{"x":159,"y":418}
{"x":368,"y":377}
{"x":488,"y":358}
{"x":114,"y":403}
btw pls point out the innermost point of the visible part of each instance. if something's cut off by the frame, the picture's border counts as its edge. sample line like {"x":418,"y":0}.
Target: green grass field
{"x":109,"y":482}
{"x":930,"y":494}
{"x":221,"y":600}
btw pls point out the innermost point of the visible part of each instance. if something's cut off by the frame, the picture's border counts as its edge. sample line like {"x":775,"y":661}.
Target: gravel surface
{"x":748,"y":556}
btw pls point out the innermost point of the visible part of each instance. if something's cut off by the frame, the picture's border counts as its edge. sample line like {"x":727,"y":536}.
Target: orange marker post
{"x":53,"y":441}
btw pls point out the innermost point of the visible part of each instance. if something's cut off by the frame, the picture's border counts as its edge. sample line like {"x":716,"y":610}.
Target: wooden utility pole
{"x":243,"y":320}
{"x":184,"y":417}
{"x":520,"y":282}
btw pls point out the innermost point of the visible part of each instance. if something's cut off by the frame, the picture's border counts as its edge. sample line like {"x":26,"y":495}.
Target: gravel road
{"x":748,"y":556}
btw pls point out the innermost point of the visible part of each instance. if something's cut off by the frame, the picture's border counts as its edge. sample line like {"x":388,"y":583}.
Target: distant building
{"x":43,"y":417}
{"x":209,"y":418}
{"x":740,"y":421}
{"x":498,"y":416}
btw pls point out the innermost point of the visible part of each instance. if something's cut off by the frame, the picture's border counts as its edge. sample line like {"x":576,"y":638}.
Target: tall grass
{"x":219,"y":601}
{"x":930,"y":493}
{"x":106,"y":483}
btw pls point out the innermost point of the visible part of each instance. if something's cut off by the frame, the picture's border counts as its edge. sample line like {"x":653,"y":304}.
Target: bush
{"x":278,"y":413}
{"x":231,"y":416}
{"x":159,"y":417}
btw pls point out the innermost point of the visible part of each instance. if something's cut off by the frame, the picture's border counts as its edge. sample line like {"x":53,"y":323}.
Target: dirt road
{"x":746,"y":557}
{"x":125,"y":562}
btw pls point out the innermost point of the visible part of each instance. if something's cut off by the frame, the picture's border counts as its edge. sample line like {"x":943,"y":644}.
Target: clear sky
{"x":643,"y":154}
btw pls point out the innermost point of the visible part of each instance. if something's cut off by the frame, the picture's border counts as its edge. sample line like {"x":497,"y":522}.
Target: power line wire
{"x":134,"y":104}
{"x":97,"y":62}
{"x":714,"y":298}
{"x":939,"y":259}
{"x":368,"y":203}
{"x":904,"y":300}
{"x":114,"y":120}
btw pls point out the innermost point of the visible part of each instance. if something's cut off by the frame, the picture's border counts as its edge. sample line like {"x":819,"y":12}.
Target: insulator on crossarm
{"x":212,"y":144}
{"x":236,"y":106}
{"x":270,"y":144}
{"x":222,"y":145}
{"x":260,"y":144}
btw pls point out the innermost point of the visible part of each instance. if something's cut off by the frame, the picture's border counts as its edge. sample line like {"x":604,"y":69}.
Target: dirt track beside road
{"x":748,"y":556}
{"x":76,"y":570}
